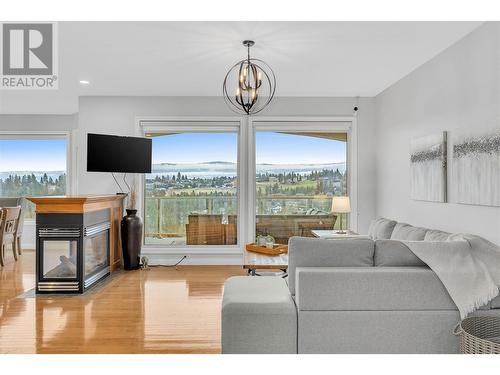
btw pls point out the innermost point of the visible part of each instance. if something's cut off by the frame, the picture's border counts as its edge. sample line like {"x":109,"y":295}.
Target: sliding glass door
{"x":191,"y":196}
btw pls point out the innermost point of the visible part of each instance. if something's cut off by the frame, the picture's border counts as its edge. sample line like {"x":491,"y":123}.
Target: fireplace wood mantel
{"x":67,"y":204}
{"x":85,"y":206}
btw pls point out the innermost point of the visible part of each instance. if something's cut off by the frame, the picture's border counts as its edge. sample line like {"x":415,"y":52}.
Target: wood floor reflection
{"x":161,"y":310}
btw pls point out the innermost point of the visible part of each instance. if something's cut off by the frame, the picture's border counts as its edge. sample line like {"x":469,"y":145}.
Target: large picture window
{"x":297,"y":174}
{"x":223,"y":182}
{"x":191,"y":194}
{"x":32,"y":165}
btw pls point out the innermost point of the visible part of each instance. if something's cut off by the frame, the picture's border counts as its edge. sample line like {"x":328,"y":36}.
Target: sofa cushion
{"x":315,"y":252}
{"x":381,"y":228}
{"x":370,"y":288}
{"x":407,"y":232}
{"x":436,"y":235}
{"x":392,"y":253}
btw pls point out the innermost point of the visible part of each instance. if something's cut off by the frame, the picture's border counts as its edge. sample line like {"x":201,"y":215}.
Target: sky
{"x":271,"y":148}
{"x":195,"y":148}
{"x":278,"y":148}
{"x":32,"y":155}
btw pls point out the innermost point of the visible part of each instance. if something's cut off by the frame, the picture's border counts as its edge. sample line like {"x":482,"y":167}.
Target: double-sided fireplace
{"x":77,"y":241}
{"x":72,"y":251}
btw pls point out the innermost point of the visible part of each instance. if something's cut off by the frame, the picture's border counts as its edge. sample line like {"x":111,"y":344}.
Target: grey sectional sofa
{"x":346,"y":296}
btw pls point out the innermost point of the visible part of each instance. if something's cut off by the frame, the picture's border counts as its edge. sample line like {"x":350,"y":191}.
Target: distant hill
{"x":206,"y":169}
{"x":298,"y":168}
{"x":219,"y":162}
{"x":223,"y":168}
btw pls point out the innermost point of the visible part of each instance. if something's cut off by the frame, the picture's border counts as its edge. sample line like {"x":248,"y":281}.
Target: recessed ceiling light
{"x":84,"y":82}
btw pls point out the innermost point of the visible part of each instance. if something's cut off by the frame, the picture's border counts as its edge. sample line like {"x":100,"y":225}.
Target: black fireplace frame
{"x":71,"y":227}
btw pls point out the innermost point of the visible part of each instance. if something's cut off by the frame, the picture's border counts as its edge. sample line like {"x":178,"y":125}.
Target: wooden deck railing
{"x":279,"y":225}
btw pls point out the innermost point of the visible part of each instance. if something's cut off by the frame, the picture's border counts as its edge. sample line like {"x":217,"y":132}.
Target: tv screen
{"x":111,"y":153}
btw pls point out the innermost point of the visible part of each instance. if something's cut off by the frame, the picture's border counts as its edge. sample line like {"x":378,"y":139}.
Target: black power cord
{"x":145,"y":263}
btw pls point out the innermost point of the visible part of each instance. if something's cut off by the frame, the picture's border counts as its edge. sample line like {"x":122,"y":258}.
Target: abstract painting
{"x":428,"y":168}
{"x":475,"y":173}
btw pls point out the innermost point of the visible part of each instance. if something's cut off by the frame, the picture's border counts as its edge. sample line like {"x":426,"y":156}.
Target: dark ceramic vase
{"x":131,"y":232}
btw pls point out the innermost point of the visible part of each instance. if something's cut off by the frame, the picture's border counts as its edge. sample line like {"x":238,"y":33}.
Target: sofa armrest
{"x":370,"y":288}
{"x":315,"y":252}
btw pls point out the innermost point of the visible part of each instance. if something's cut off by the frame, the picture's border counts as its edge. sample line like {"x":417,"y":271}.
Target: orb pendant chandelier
{"x":249,"y":85}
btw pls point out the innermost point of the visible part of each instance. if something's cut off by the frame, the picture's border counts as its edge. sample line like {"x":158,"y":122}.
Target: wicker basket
{"x":479,"y":335}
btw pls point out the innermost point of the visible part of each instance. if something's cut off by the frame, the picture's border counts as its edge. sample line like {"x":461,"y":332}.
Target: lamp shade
{"x":341,"y":205}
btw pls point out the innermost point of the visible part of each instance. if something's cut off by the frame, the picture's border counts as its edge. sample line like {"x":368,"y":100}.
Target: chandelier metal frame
{"x":252,"y":74}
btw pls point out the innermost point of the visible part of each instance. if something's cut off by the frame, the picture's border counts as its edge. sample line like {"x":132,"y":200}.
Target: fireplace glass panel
{"x":96,"y":253}
{"x":59,"y":259}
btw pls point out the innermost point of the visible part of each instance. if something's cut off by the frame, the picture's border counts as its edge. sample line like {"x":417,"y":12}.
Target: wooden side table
{"x":255,"y":261}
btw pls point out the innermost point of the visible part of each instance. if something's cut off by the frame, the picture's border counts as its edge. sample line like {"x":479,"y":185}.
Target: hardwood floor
{"x":161,"y":310}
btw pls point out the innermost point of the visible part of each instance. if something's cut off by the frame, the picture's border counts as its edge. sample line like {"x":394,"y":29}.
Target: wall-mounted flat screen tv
{"x":111,"y":153}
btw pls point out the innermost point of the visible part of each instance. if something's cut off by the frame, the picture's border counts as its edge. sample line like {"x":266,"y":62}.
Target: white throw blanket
{"x":467,"y":265}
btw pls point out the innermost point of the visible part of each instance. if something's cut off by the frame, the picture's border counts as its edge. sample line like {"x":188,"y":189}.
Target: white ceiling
{"x":191,"y":58}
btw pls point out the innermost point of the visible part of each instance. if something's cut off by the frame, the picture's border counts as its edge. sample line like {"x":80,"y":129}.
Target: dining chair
{"x":13,"y":202}
{"x":8,"y":230}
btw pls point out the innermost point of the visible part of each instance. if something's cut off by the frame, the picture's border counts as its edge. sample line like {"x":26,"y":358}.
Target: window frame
{"x":315,"y":124}
{"x":199,"y":125}
{"x":47,"y":135}
{"x":246,"y":166}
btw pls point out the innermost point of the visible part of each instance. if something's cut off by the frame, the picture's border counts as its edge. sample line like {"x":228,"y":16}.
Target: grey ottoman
{"x":258,"y":316}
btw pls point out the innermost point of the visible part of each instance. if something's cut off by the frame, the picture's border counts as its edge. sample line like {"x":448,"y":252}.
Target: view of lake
{"x":228,"y":169}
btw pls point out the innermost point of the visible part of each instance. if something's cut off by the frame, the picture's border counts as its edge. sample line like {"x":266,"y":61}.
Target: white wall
{"x":458,"y":89}
{"x":38,"y":122}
